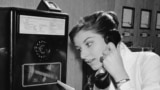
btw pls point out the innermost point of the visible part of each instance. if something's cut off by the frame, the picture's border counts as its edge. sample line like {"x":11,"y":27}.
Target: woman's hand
{"x":113,"y":62}
{"x":65,"y":86}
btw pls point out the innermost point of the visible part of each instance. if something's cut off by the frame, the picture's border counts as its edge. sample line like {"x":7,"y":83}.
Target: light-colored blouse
{"x":143,"y":69}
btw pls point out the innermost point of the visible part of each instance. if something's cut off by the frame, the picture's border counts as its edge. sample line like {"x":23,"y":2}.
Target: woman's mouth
{"x":90,"y":61}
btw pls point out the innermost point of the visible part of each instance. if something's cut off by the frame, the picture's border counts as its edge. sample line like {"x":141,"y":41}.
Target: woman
{"x":97,"y":39}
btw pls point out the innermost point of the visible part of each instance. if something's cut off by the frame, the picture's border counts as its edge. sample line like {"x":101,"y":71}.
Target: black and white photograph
{"x":145,"y":22}
{"x":79,"y":44}
{"x":158,"y":20}
{"x":128,"y":17}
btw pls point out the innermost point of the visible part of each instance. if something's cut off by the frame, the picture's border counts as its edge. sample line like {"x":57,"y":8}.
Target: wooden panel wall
{"x":138,"y":41}
{"x":78,"y":8}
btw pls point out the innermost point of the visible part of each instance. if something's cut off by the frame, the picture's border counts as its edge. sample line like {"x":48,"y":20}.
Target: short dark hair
{"x":104,"y":23}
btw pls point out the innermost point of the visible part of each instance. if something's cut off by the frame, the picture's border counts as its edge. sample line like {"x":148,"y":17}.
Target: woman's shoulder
{"x":148,"y":54}
{"x":148,"y":57}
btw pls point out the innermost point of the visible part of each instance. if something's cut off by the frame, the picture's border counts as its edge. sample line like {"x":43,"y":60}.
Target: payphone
{"x":33,"y":49}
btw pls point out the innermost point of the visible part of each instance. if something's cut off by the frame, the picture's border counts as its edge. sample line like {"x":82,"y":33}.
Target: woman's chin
{"x":95,"y":68}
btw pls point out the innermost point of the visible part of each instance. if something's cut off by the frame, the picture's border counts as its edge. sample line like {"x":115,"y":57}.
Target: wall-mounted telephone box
{"x":33,"y":49}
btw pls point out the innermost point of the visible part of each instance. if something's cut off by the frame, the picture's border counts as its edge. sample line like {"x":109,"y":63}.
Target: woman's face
{"x":91,"y":46}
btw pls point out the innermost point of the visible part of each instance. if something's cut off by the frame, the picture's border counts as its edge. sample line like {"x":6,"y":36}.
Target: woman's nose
{"x":84,"y":54}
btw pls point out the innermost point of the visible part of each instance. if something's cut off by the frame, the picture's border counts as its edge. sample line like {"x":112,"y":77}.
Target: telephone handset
{"x":103,"y":79}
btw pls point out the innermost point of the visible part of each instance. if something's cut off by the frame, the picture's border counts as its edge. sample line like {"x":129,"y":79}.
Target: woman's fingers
{"x":113,"y":62}
{"x":111,"y":46}
{"x":65,"y":86}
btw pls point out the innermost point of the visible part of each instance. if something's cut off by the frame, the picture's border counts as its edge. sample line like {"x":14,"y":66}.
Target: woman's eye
{"x":89,"y":44}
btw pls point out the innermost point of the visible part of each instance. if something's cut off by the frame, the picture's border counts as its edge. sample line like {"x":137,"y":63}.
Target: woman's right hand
{"x":113,"y":62}
{"x":65,"y":86}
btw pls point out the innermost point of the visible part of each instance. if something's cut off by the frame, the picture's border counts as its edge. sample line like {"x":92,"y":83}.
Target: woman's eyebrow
{"x":87,"y":39}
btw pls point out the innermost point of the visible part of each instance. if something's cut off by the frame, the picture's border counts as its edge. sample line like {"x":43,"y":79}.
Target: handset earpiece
{"x":112,"y":36}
